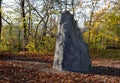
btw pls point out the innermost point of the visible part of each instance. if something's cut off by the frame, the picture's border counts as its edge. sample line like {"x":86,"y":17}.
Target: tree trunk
{"x":0,"y":18}
{"x":60,"y":6}
{"x":36,"y":31}
{"x":24,"y":21}
{"x":65,"y":5}
{"x":91,"y":18}
{"x":30,"y":18}
{"x":73,"y":7}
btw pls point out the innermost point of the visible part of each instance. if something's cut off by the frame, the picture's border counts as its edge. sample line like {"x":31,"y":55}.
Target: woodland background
{"x":31,"y":25}
{"x":28,"y":31}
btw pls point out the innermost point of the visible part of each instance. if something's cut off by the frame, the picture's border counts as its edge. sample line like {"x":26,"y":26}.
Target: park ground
{"x":24,"y":67}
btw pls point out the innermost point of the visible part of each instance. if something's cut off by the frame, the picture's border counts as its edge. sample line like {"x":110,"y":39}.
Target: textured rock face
{"x":71,"y":52}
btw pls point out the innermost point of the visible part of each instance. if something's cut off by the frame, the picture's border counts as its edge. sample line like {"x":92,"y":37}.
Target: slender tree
{"x":66,"y":2}
{"x":73,"y":9}
{"x":0,"y":18}
{"x":91,"y":17}
{"x":22,"y":4}
{"x":29,"y":17}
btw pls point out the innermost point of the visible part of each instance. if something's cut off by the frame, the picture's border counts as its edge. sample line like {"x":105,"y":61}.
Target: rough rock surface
{"x":71,"y":52}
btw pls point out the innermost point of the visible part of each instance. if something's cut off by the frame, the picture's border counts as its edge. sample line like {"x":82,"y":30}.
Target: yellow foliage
{"x":30,"y":46}
{"x":116,"y":39}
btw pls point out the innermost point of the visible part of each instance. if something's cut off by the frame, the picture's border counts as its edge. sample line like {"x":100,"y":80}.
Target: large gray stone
{"x":71,"y":52}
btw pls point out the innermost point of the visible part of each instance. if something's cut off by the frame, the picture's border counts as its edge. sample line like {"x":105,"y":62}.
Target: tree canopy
{"x":31,"y":24}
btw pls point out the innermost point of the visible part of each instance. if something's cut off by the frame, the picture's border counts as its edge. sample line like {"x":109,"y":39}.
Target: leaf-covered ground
{"x":32,"y":68}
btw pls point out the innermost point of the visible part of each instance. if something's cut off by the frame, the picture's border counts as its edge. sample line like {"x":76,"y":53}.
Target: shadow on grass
{"x":102,"y":70}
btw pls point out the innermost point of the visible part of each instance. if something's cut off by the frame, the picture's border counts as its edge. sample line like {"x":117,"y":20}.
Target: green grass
{"x":105,"y":53}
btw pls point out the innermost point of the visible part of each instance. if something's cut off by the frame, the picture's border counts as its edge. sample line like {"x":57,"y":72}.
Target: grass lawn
{"x":107,"y":54}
